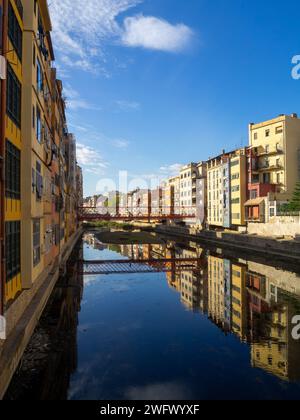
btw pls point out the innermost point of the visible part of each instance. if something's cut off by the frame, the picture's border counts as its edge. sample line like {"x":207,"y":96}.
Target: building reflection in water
{"x":51,"y":357}
{"x":253,"y":301}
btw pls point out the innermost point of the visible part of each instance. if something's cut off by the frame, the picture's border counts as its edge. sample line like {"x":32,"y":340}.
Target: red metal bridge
{"x":106,"y":267}
{"x":94,"y":214}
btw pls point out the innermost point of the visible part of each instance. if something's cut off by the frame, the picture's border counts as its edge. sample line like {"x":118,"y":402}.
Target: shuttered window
{"x":13,"y":103}
{"x":36,"y":242}
{"x":12,"y":247}
{"x":13,"y":171}
{"x":15,"y":32}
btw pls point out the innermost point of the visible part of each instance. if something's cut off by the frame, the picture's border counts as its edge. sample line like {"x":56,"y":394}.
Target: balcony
{"x":267,"y":167}
{"x":272,"y":151}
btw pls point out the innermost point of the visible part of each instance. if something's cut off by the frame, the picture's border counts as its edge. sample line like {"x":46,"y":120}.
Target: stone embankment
{"x":280,"y":248}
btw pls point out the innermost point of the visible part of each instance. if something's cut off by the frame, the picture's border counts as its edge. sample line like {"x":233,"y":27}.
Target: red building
{"x":259,"y":187}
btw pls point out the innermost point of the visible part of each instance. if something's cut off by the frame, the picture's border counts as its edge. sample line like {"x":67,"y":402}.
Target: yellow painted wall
{"x":282,"y":145}
{"x":14,"y":135}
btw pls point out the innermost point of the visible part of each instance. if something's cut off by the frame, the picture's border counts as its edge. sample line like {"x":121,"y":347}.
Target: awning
{"x":255,"y":202}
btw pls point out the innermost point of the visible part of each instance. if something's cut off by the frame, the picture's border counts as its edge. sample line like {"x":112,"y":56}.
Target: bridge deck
{"x":91,"y":268}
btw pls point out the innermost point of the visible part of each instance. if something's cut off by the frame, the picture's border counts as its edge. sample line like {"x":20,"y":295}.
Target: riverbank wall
{"x":278,"y":248}
{"x":23,"y":316}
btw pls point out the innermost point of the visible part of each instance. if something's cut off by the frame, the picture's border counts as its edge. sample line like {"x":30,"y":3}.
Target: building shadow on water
{"x":51,"y":356}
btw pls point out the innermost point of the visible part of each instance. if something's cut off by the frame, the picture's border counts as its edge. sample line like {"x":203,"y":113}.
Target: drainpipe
{"x":2,"y":156}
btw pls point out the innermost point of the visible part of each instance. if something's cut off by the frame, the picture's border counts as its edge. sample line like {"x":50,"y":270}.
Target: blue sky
{"x":157,"y":83}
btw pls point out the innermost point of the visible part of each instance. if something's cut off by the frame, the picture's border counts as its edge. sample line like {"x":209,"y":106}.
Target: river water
{"x":217,"y":328}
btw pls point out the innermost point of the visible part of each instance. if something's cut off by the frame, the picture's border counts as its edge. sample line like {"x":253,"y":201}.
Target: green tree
{"x":295,"y":203}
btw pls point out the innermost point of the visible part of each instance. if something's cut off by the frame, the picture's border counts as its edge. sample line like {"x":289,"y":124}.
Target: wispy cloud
{"x":81,"y":34}
{"x":156,"y":34}
{"x":170,"y":170}
{"x":91,"y":160}
{"x":120,"y":143}
{"x":75,"y":102}
{"x":127,"y":105}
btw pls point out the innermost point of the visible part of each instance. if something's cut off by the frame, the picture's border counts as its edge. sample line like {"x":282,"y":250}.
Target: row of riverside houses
{"x":248,"y":185}
{"x":41,"y":183}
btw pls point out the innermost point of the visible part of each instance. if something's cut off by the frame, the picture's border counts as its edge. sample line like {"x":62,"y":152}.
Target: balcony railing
{"x":255,"y":219}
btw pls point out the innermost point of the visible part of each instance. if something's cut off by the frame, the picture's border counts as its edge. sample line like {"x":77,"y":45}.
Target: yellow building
{"x":36,"y":123}
{"x":239,"y":300}
{"x":14,"y":146}
{"x":216,"y":291}
{"x":272,"y":354}
{"x":276,"y":144}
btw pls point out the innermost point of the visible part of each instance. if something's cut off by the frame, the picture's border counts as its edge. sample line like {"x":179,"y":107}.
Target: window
{"x":39,"y":76}
{"x":253,"y":194}
{"x":39,"y":182}
{"x":36,"y":242}
{"x":34,"y":55}
{"x":15,"y":32}
{"x":13,"y":102}
{"x":266,"y":178}
{"x":255,"y":136}
{"x":267,"y":133}
{"x":235,"y":176}
{"x":13,"y":171}
{"x":12,"y":246}
{"x":278,"y":178}
{"x":33,"y":117}
{"x":38,"y":125}
{"x":235,"y":189}
{"x":279,"y":130}
{"x":234,"y":163}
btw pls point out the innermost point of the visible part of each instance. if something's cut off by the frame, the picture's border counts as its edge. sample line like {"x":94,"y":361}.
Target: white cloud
{"x":156,"y":34}
{"x":75,"y":102}
{"x":127,"y":105}
{"x":171,"y":170}
{"x":80,"y":33}
{"x":120,"y":144}
{"x":90,"y":159}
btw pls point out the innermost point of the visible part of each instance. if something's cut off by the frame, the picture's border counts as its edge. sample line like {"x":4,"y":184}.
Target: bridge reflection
{"x":252,"y":300}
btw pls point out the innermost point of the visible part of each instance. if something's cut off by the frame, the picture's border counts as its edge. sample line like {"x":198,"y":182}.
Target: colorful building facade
{"x":36,"y":152}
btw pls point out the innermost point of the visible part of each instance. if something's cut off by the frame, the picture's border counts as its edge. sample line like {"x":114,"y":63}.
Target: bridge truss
{"x":105,"y":267}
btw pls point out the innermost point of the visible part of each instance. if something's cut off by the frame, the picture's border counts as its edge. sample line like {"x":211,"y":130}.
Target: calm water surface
{"x":219,"y":329}
{"x":222,"y":331}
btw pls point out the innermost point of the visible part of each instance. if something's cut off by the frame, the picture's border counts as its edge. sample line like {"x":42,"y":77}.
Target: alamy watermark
{"x":296,"y":329}
{"x":296,"y":68}
{"x":2,"y":328}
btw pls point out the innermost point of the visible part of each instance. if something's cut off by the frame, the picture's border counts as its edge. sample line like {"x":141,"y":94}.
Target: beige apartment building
{"x":188,"y":176}
{"x":193,"y":191}
{"x":274,"y":165}
{"x":37,"y":149}
{"x":227,"y":189}
{"x":277,"y":146}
